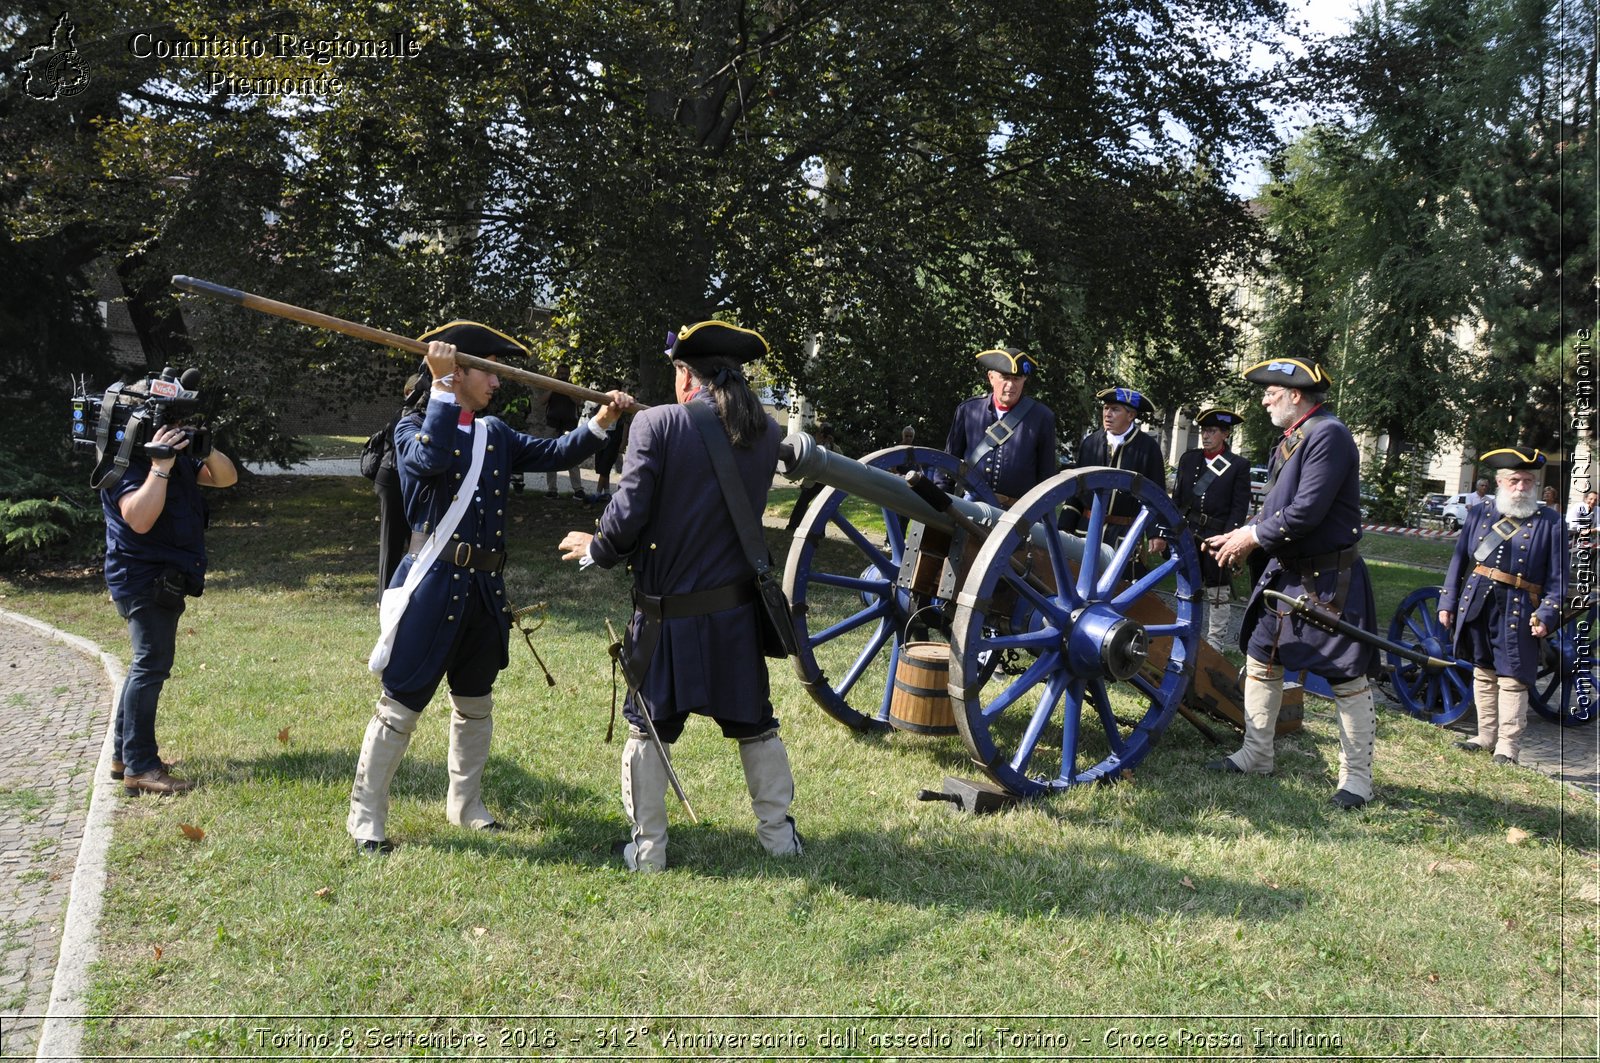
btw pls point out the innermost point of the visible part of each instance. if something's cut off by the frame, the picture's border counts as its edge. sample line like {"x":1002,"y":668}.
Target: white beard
{"x":1283,"y":417}
{"x":1520,"y":507}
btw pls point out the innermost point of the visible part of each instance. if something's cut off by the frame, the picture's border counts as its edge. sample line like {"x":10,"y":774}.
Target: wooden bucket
{"x":921,"y":699}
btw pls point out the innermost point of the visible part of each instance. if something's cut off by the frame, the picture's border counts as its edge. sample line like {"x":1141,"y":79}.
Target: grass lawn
{"x":1180,"y":912}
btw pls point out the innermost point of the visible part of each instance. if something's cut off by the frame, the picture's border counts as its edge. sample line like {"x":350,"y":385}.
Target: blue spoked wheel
{"x":1441,"y":697}
{"x":851,"y":611}
{"x":1568,"y":685}
{"x":1102,"y":681}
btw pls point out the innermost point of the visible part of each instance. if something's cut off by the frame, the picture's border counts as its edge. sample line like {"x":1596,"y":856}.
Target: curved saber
{"x":388,"y":339}
{"x":1327,"y":622}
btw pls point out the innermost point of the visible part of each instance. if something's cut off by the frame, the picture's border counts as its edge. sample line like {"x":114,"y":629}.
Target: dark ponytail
{"x":738,"y":406}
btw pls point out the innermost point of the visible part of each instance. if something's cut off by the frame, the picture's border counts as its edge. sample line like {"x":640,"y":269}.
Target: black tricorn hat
{"x":1302,"y":374}
{"x":1513,"y":458}
{"x":1218,"y":418}
{"x":472,"y":338}
{"x":1008,"y":360}
{"x":716,"y":339}
{"x":1128,"y":397}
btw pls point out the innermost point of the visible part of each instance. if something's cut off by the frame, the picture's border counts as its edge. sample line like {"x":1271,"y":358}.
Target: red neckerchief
{"x":464,"y":418}
{"x":691,"y":396}
{"x":1213,"y":453}
{"x":1302,"y":420}
{"x":1001,"y":411}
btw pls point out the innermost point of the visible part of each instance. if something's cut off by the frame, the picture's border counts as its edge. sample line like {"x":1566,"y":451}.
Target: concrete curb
{"x":61,"y":1034}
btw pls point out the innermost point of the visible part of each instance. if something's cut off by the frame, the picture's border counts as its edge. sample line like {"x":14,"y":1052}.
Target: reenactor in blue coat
{"x":1005,"y":438}
{"x":455,"y":625}
{"x":1120,"y":443}
{"x":1213,"y":493}
{"x":1502,"y":594}
{"x":1309,"y":524}
{"x":694,"y":645}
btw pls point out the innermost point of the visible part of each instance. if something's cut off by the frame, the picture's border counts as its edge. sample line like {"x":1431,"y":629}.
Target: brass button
{"x":457,"y":452}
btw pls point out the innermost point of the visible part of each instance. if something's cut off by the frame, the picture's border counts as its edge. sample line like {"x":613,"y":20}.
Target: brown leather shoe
{"x":119,"y":769}
{"x":156,"y":781}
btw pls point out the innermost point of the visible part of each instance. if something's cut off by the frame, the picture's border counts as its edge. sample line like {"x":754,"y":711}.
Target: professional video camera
{"x":127,"y":416}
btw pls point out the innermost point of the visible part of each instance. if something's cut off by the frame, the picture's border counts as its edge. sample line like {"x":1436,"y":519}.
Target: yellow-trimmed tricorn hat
{"x":1513,"y":458}
{"x":473,"y":338}
{"x":1128,"y":397}
{"x":716,"y":339}
{"x":1217,"y":417}
{"x":1302,"y":374}
{"x":1008,"y":360}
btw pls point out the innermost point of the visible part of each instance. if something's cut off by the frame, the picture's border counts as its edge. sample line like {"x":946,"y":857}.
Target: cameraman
{"x":155,"y":556}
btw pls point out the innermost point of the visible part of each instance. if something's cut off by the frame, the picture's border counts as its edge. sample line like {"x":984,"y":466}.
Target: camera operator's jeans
{"x":153,"y":630}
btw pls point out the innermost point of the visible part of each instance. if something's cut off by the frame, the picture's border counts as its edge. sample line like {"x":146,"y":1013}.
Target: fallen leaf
{"x":1511,"y":924}
{"x":325,"y":892}
{"x":193,"y":833}
{"x":1516,"y":836}
{"x":1433,"y":867}
{"x":1432,"y":977}
{"x":202,"y":666}
{"x":479,"y":931}
{"x":1127,"y":776}
{"x":283,"y":736}
{"x":1265,"y":881}
{"x":1187,"y":882}
{"x":158,"y":953}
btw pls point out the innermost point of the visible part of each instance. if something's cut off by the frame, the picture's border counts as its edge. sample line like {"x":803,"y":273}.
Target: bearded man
{"x":1309,"y":525}
{"x":1503,"y":594}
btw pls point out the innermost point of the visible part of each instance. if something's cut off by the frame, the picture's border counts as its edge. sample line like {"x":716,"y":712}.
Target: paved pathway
{"x":55,"y":701}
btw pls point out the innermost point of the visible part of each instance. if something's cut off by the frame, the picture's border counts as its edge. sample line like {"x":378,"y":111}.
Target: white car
{"x":1454,"y":511}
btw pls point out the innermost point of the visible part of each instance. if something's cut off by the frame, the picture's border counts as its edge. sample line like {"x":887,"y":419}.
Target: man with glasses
{"x":1309,"y":524}
{"x":1503,"y":594}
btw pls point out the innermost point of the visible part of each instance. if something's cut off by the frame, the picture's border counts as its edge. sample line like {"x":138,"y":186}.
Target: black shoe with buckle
{"x":1466,"y":745}
{"x":375,"y":848}
{"x":1224,"y":764}
{"x":1501,"y":758}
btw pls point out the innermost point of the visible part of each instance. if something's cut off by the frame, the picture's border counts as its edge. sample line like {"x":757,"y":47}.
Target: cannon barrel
{"x":799,"y":458}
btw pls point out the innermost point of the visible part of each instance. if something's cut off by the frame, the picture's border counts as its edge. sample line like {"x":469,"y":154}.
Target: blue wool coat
{"x":1016,"y":466}
{"x":433,"y":457}
{"x":1312,"y":508}
{"x":1537,"y":553}
{"x":669,"y":520}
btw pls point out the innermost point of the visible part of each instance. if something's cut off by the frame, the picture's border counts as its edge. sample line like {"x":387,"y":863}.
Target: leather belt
{"x":1510,"y":579}
{"x":1341,"y":561}
{"x":695,"y":603}
{"x":1118,"y":522}
{"x":463,"y":555}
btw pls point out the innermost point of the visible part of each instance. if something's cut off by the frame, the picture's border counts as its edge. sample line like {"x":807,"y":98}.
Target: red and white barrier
{"x":1420,"y":533}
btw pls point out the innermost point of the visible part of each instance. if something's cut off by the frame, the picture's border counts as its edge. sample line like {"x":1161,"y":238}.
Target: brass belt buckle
{"x":463,"y":555}
{"x":1000,"y":432}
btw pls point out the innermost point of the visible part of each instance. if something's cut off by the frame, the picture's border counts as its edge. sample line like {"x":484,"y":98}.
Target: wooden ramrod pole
{"x":387,"y":339}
